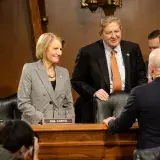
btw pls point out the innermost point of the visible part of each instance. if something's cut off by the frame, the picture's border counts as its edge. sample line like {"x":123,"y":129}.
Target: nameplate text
{"x":57,"y":120}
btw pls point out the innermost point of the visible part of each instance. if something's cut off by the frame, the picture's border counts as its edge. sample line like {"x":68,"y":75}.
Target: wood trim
{"x":68,"y":127}
{"x":90,"y":143}
{"x":73,"y":127}
{"x":35,"y":19}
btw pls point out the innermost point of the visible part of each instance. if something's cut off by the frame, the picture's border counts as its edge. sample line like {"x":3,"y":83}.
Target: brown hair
{"x":154,"y":34}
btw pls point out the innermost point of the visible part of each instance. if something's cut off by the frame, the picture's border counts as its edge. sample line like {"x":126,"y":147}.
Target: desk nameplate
{"x":57,"y":120}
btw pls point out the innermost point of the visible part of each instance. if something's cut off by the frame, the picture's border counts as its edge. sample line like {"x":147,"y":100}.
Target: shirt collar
{"x":118,"y":49}
{"x":108,"y":49}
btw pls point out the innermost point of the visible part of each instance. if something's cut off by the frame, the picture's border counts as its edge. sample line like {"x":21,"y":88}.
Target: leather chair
{"x":8,"y":108}
{"x":112,"y":107}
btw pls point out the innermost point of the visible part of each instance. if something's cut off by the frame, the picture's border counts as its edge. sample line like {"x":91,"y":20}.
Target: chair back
{"x":8,"y":108}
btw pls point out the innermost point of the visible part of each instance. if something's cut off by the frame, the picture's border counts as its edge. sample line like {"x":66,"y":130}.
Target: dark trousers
{"x":84,"y":111}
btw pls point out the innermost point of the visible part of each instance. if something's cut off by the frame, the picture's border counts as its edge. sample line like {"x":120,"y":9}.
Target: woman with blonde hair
{"x":44,"y":89}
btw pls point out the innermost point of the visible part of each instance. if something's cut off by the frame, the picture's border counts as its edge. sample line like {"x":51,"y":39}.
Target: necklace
{"x":50,"y":71}
{"x":51,"y":74}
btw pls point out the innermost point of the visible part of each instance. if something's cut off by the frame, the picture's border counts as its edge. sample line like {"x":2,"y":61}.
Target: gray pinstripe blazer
{"x":38,"y":100}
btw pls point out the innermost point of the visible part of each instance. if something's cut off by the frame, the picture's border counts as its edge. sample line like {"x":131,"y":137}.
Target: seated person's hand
{"x":101,"y":94}
{"x":106,"y":121}
{"x":36,"y":149}
{"x":33,"y":151}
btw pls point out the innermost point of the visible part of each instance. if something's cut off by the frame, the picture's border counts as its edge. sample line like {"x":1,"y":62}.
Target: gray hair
{"x":108,"y":20}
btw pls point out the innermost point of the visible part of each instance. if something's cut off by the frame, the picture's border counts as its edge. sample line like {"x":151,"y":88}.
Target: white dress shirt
{"x":120,"y":63}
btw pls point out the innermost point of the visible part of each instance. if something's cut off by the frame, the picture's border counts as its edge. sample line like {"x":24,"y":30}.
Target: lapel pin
{"x":128,"y":54}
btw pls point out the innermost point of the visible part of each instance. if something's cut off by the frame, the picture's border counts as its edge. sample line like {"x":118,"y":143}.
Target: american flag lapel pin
{"x":128,"y":54}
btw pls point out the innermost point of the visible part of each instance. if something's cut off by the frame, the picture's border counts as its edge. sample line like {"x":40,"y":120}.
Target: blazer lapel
{"x":44,"y":78}
{"x":59,"y":78}
{"x":126,"y":60}
{"x":103,"y":65}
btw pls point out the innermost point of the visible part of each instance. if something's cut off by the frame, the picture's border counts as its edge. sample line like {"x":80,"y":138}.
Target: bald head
{"x":154,"y":58}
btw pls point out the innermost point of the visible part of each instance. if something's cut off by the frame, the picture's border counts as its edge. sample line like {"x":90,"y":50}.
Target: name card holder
{"x":57,"y":120}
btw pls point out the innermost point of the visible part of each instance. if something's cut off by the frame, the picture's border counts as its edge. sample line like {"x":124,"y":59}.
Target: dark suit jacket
{"x":91,"y":71}
{"x":143,"y":104}
{"x":146,"y":64}
{"x":6,"y":155}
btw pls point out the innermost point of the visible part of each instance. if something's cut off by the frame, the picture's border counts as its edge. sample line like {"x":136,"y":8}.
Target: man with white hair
{"x":144,"y":104}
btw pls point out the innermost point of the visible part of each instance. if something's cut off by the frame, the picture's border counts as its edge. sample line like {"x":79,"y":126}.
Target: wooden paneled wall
{"x":15,"y":44}
{"x":77,"y":26}
{"x":20,"y":28}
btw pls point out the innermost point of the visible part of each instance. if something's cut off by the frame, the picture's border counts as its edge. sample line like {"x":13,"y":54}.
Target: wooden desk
{"x":84,"y":141}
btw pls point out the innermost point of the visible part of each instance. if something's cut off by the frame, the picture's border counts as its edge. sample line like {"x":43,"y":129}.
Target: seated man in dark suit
{"x":143,"y":104}
{"x":107,"y":67}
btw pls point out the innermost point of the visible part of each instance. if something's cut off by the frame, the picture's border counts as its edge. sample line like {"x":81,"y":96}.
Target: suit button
{"x":51,"y":102}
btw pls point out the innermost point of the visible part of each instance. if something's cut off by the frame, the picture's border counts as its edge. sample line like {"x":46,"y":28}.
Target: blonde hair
{"x":108,"y":20}
{"x":43,"y":43}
